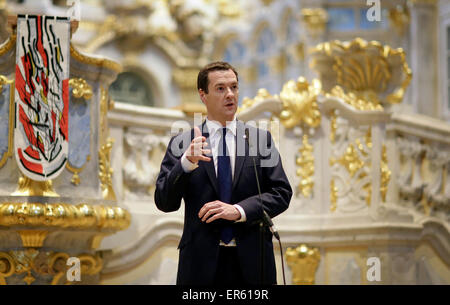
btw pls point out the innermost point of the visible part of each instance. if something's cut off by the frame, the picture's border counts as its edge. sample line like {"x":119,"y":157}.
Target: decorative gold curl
{"x":35,"y":263}
{"x":105,"y":173}
{"x":80,"y":88}
{"x":300,"y":103}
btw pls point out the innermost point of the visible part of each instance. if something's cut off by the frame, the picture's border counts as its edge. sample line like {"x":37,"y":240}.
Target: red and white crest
{"x":41,"y":141}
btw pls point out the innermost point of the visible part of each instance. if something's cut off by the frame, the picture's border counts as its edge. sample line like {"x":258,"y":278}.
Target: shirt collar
{"x":213,"y":126}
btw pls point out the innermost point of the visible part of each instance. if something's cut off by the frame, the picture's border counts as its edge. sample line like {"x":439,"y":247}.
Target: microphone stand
{"x":265,"y":222}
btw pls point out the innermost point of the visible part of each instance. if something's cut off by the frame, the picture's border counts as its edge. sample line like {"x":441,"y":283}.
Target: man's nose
{"x":230,"y":91}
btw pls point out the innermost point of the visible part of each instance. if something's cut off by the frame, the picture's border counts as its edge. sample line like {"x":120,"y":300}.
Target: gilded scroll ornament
{"x":385,"y":174}
{"x":368,"y":74}
{"x":38,"y":264}
{"x":300,"y":103}
{"x":106,"y":171}
{"x":80,"y":88}
{"x":306,"y":168}
{"x":63,"y":215}
{"x":9,"y":45}
{"x":95,"y":61}
{"x":303,"y":262}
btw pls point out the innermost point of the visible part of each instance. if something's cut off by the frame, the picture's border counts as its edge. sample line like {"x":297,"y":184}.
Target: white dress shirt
{"x":215,"y":137}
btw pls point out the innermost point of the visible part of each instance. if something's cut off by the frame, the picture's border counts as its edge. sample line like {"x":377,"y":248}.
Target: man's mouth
{"x":228,"y":104}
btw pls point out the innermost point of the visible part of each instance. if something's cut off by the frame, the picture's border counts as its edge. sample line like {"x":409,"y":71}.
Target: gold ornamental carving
{"x":106,"y":171}
{"x":367,"y":75}
{"x":76,"y":171}
{"x":94,"y":61}
{"x":33,"y":238}
{"x":61,"y":215}
{"x":315,"y":19}
{"x":29,"y":187}
{"x":9,"y":45}
{"x":303,"y":262}
{"x":300,"y":103}
{"x":306,"y":168}
{"x":355,"y":161}
{"x":385,"y":174}
{"x":80,"y":88}
{"x":36,"y":264}
{"x":400,"y":18}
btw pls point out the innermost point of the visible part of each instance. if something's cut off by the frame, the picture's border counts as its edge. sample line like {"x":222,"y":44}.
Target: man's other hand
{"x":217,"y":209}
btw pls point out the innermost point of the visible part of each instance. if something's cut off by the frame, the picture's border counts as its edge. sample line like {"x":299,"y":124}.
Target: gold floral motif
{"x":385,"y":174}
{"x":105,"y":170}
{"x":333,"y":196}
{"x":300,"y":103}
{"x":303,"y":262}
{"x":260,"y":96}
{"x":353,"y":162}
{"x":63,"y":215}
{"x":80,"y":88}
{"x":350,"y":160}
{"x":306,"y":171}
{"x":37,"y":263}
{"x":333,"y":125}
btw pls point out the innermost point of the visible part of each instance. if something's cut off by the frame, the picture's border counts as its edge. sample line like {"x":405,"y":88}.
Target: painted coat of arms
{"x":41,"y":141}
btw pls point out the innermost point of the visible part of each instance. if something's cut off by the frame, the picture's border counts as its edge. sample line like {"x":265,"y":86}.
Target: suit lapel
{"x":209,"y":166}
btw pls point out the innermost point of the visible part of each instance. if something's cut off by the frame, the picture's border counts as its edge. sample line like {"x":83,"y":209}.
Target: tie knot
{"x":224,"y":131}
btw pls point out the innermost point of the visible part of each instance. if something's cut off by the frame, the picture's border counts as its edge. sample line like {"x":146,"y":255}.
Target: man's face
{"x":221,"y":101}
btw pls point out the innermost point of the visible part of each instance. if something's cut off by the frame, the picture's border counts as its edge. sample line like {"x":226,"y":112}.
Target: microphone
{"x":266,"y":219}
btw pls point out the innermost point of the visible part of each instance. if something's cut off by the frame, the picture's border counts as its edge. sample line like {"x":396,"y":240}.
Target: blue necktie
{"x":225,"y":183}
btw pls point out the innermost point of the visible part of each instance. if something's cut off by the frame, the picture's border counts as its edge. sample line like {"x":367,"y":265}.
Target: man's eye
{"x":220,"y":88}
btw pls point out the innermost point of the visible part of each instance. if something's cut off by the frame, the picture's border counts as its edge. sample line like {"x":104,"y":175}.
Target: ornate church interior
{"x":355,"y":93}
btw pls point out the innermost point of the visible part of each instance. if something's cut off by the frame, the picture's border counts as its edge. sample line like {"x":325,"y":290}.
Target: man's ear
{"x":202,"y":95}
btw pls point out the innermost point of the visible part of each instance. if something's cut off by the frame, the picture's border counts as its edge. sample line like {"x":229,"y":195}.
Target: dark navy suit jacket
{"x":199,"y":243}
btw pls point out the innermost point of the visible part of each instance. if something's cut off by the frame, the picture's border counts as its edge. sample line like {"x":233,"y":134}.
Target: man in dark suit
{"x":211,"y":167}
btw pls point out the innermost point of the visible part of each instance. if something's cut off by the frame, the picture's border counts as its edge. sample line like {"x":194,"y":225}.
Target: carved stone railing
{"x":367,"y":181}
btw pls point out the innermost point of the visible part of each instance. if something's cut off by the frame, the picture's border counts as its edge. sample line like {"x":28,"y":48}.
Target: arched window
{"x":131,"y":88}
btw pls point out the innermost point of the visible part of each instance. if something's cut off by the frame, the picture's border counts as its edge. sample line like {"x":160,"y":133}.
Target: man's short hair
{"x":202,"y":78}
